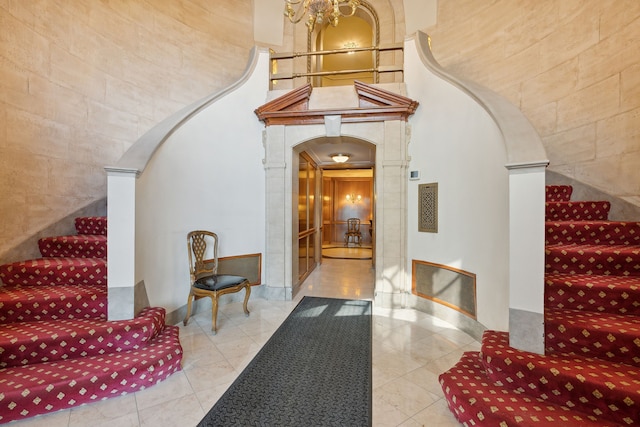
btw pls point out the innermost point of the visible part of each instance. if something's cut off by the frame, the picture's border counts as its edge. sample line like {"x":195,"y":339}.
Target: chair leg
{"x":247,"y":292}
{"x":189,"y":301}
{"x":214,"y":313}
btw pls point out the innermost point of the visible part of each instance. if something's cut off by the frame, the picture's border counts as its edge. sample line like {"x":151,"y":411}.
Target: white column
{"x":526,"y":256}
{"x":278,"y":216}
{"x":391,"y":216}
{"x":121,"y":230}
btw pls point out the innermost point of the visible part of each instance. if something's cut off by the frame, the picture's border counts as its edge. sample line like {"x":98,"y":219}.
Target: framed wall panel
{"x":445,"y":285}
{"x":249,"y":266}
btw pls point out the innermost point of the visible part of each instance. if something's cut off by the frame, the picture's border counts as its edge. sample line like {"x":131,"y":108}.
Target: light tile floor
{"x":410,"y":350}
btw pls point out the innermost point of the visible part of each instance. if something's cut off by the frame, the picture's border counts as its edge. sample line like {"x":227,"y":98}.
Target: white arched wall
{"x":200,"y":169}
{"x":457,"y":145}
{"x":490,"y":165}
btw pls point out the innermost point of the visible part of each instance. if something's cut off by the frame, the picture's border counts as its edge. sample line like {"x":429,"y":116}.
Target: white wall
{"x":455,"y":143}
{"x":210,"y":174}
{"x":207,"y":175}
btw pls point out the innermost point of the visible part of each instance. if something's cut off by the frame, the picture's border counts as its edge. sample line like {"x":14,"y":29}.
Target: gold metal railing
{"x":376,"y":70}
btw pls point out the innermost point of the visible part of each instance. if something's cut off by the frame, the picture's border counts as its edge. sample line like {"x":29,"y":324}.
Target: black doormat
{"x":314,"y":371}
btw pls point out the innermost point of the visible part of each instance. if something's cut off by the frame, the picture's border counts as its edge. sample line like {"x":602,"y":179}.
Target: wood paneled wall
{"x":336,"y":209}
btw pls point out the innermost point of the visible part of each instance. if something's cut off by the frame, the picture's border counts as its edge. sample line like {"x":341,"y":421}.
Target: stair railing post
{"x":526,"y":256}
{"x":121,"y":243}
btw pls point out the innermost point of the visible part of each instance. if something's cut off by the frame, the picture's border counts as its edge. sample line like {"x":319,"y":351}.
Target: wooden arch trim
{"x":374,"y":105}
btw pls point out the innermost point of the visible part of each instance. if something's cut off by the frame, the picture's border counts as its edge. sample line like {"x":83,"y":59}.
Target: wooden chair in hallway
{"x":204,"y":277}
{"x":353,"y":232}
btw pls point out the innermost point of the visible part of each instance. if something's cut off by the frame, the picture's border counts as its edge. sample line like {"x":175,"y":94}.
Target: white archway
{"x":390,"y":139}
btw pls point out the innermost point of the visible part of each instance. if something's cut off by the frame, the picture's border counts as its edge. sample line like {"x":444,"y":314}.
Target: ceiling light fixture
{"x":340,"y":158}
{"x":319,"y":11}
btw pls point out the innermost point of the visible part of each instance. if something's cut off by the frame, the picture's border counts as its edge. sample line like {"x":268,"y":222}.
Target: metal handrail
{"x":285,"y":76}
{"x":375,"y":70}
{"x":397,"y":46}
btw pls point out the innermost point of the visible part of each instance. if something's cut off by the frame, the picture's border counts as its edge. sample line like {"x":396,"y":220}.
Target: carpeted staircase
{"x":57,"y":349}
{"x":590,"y":374}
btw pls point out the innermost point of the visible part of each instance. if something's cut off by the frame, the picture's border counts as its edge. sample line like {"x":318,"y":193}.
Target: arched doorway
{"x":329,"y":194}
{"x":370,"y":114}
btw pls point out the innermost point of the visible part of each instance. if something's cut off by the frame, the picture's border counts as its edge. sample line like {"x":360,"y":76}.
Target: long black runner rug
{"x":314,"y":371}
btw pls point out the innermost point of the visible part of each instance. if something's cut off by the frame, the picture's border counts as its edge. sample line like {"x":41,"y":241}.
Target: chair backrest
{"x":353,"y":225}
{"x":201,"y":244}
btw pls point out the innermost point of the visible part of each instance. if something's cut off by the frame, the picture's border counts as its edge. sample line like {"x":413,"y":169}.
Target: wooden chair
{"x":353,"y":232}
{"x":205,"y":282}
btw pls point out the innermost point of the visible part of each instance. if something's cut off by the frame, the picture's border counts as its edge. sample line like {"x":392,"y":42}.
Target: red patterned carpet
{"x":590,"y":374}
{"x":57,"y":348}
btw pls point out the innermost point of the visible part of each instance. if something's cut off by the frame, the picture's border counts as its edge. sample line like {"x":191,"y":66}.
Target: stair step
{"x":558,"y":193}
{"x":592,"y":232}
{"x":599,"y":388}
{"x":63,"y":271}
{"x":91,"y":225}
{"x":46,"y":341}
{"x":620,"y":260}
{"x":52,"y":302}
{"x":588,"y":292}
{"x":77,"y":246}
{"x":578,"y":211}
{"x":611,"y":337}
{"x":42,"y":388}
{"x":476,"y":401}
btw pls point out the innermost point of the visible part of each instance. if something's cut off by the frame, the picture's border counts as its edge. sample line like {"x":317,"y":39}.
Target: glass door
{"x":307,"y":233}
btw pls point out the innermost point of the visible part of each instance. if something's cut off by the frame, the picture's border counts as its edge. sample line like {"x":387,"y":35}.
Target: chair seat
{"x":218,"y":282}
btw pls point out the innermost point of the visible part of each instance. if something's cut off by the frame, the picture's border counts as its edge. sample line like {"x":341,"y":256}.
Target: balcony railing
{"x":386,"y":66}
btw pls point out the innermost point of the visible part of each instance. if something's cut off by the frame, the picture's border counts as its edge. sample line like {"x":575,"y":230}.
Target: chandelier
{"x":319,"y":11}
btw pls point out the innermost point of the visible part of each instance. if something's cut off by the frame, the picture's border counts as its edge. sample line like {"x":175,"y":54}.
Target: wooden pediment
{"x":374,"y":105}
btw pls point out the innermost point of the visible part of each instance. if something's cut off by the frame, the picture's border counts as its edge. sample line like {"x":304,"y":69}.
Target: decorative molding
{"x":295,"y":100}
{"x":527,"y":165}
{"x":371,"y":96}
{"x":375,"y":105}
{"x":117,"y":171}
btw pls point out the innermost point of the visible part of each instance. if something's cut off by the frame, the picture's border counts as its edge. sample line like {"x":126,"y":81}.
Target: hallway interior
{"x":410,"y":350}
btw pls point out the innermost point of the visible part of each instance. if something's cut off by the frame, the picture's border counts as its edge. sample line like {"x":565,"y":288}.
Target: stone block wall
{"x":572,"y":67}
{"x":80,"y":81}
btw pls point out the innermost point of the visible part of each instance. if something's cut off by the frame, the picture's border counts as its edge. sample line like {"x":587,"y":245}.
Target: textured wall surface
{"x":573,"y":68}
{"x":80,"y":81}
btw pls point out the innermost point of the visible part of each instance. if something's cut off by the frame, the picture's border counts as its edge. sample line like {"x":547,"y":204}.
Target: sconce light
{"x":350,"y":45}
{"x":353,"y":198}
{"x":340,"y":158}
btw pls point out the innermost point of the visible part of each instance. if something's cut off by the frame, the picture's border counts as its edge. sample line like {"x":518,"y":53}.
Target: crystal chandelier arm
{"x":319,"y":11}
{"x":291,"y":13}
{"x":311,"y":22}
{"x":354,"y":5}
{"x":336,"y":13}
